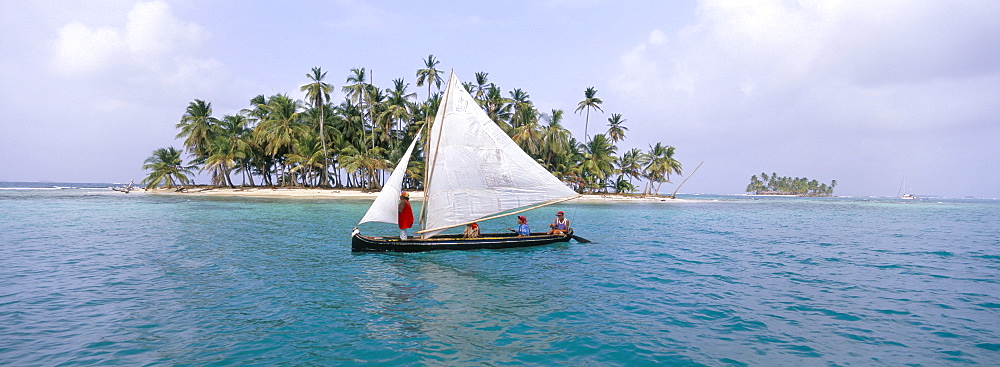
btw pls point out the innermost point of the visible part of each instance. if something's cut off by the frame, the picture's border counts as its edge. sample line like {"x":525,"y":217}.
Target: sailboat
{"x":473,"y":172}
{"x":907,"y":195}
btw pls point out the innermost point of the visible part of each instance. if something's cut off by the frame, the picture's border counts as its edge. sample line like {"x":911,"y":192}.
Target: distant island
{"x":279,"y":141}
{"x":799,"y":186}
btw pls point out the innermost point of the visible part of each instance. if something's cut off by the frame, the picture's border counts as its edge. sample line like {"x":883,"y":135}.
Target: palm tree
{"x":351,"y":121}
{"x":589,"y":102}
{"x":196,"y":127}
{"x":398,"y":106}
{"x":529,"y":135}
{"x":660,"y":165}
{"x":355,"y":85}
{"x":429,"y":74}
{"x":340,"y":145}
{"x":568,"y":166}
{"x":599,"y":161}
{"x":480,"y":88}
{"x":257,"y":113}
{"x":631,"y":163}
{"x":227,"y":150}
{"x":167,"y":168}
{"x":519,"y":101}
{"x":365,"y":165}
{"x":623,"y":186}
{"x":422,"y":115}
{"x":281,"y":128}
{"x":306,"y":158}
{"x":555,"y":139}
{"x":318,"y":92}
{"x":497,"y":107}
{"x":221,"y":161}
{"x":235,"y":128}
{"x":356,"y":89}
{"x":376,"y":107}
{"x":258,"y":140}
{"x":616,"y":128}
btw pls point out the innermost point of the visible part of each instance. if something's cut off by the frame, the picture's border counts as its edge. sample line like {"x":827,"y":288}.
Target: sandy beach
{"x":314,"y":193}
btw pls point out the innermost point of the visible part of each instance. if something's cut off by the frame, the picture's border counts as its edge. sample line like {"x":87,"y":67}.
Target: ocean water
{"x":89,"y":276}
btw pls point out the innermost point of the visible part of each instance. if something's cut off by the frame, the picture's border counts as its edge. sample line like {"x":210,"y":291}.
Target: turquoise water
{"x":95,"y":277}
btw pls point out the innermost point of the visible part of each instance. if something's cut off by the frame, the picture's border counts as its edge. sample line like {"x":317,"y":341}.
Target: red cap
{"x":521,"y":217}
{"x":560,"y":212}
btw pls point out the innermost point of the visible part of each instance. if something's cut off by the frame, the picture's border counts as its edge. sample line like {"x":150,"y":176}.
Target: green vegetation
{"x":279,"y":141}
{"x":774,"y":185}
{"x":167,"y":169}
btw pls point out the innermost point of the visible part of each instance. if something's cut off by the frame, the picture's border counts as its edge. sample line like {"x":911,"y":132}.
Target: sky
{"x":868,"y":93}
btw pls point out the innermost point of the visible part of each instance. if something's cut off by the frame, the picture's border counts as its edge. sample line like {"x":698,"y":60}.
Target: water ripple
{"x":93,"y":279}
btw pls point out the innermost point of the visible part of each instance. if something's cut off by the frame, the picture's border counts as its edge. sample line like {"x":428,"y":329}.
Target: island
{"x":797,"y":186}
{"x":279,"y":141}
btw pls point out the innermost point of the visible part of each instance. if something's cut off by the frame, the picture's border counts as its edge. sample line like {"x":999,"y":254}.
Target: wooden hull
{"x":360,"y":243}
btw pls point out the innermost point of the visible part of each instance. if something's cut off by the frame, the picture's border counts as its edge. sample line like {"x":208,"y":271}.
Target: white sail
{"x":475,"y":169}
{"x":385,"y":207}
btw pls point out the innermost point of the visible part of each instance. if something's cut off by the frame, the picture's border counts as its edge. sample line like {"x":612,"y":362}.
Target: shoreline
{"x":314,"y":193}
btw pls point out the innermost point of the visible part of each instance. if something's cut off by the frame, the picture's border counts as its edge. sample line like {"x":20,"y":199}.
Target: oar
{"x":580,"y":239}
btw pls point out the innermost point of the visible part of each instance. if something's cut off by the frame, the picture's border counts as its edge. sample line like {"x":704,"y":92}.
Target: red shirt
{"x":405,"y":215}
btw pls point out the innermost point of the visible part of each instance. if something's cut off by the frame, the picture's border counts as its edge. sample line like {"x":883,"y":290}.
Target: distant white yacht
{"x":906,"y":196}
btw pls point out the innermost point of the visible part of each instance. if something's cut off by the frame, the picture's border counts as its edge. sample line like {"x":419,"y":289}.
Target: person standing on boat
{"x":560,"y":225}
{"x":405,"y":214}
{"x":522,"y":226}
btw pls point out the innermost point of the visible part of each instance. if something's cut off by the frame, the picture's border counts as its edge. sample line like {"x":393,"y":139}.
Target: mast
{"x":427,"y":147}
{"x":370,"y":119}
{"x":429,"y":166}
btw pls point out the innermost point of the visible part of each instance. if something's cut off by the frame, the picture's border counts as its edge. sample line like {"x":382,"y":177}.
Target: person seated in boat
{"x":522,"y":227}
{"x":405,"y":219}
{"x":471,"y":231}
{"x":560,"y":225}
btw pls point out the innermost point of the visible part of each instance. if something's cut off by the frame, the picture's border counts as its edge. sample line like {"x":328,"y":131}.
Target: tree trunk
{"x":322,"y":138}
{"x":336,"y":175}
{"x":249,"y":174}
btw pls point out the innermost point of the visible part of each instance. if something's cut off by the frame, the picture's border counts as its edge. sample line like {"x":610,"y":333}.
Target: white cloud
{"x":149,"y":56}
{"x":657,"y":37}
{"x":639,"y":60}
{"x":82,"y":50}
{"x":152,"y":40}
{"x":153,"y":33}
